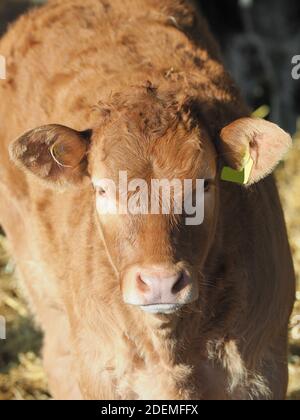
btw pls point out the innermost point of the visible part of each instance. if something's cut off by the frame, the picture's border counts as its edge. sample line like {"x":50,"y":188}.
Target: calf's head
{"x":140,"y":139}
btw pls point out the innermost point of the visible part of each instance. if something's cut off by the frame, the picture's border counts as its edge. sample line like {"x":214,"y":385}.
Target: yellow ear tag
{"x":239,"y":177}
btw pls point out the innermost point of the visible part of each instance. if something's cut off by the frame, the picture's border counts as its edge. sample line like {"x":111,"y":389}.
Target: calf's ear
{"x":252,"y":147}
{"x":54,"y":153}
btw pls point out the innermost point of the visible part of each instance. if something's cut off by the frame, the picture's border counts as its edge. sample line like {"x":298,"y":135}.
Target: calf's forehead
{"x":177,"y":154}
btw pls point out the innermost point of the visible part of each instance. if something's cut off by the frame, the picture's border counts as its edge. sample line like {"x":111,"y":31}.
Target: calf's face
{"x":145,"y":158}
{"x":156,"y":253}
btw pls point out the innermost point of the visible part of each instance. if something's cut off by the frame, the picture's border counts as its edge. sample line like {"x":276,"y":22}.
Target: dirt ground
{"x":21,"y":372}
{"x":288,"y":177}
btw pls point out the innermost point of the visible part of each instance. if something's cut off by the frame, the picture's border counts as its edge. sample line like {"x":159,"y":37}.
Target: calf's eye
{"x":100,"y":191}
{"x":206,"y":185}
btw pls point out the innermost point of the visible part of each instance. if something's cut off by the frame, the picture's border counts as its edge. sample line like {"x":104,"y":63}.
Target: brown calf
{"x":141,"y":306}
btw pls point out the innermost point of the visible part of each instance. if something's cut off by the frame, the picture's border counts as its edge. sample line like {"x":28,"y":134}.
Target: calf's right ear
{"x":54,"y":153}
{"x":252,"y":147}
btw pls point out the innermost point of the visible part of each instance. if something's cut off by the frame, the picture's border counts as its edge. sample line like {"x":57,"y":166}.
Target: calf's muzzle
{"x":157,"y":290}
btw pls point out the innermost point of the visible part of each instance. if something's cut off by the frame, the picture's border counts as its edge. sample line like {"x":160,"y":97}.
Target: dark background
{"x":258,"y":40}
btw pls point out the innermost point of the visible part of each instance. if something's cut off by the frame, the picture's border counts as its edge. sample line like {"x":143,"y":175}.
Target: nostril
{"x":142,"y":285}
{"x":180,"y":284}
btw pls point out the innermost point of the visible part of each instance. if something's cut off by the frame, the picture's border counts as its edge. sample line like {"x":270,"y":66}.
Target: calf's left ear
{"x":54,"y":153}
{"x":252,"y":147}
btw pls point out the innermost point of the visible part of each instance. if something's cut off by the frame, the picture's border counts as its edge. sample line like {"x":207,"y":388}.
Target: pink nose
{"x":159,"y":287}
